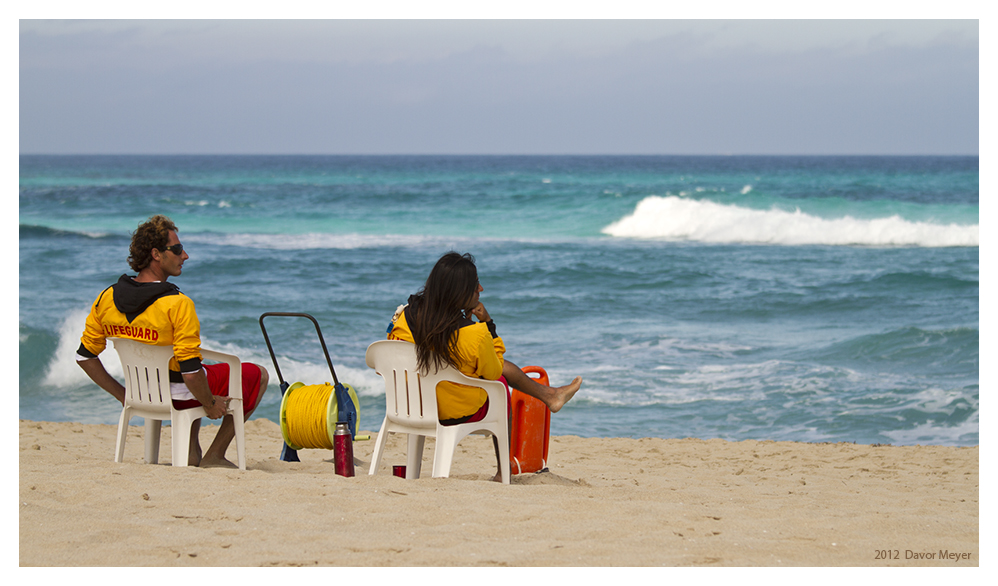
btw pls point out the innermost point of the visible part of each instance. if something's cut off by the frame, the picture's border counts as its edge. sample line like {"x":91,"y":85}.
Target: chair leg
{"x":181,"y":427}
{"x":119,"y":448}
{"x":444,"y":453}
{"x":237,"y":424}
{"x":414,"y":462}
{"x":503,"y":457}
{"x":379,"y":448}
{"x":153,"y":428}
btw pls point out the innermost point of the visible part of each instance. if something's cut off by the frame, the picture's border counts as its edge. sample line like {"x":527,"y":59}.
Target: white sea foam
{"x":62,"y":371}
{"x":675,"y":218}
{"x":318,"y":241}
{"x":364,"y":380}
{"x":938,"y":433}
{"x":312,"y":241}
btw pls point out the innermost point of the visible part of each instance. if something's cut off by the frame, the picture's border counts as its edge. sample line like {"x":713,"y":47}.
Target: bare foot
{"x":563,"y":394}
{"x":194,"y":455}
{"x":497,"y":477}
{"x":211,"y":462}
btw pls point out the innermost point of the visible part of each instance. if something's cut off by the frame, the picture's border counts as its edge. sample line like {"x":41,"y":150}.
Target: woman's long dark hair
{"x":437,"y":310}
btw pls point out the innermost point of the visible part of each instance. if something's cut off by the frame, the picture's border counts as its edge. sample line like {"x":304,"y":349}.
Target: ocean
{"x":817,"y":299}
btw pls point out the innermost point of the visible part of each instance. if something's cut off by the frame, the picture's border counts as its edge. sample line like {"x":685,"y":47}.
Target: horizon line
{"x":194,"y":154}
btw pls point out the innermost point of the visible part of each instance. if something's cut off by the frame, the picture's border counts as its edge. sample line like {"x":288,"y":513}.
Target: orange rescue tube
{"x":531,"y":428}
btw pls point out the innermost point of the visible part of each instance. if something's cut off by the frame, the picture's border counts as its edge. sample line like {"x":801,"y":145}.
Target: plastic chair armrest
{"x":235,"y":371}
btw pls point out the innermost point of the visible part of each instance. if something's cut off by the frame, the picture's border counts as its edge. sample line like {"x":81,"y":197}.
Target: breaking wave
{"x":675,"y":218}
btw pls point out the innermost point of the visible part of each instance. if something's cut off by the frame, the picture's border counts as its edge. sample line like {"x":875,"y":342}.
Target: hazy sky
{"x":499,"y":86}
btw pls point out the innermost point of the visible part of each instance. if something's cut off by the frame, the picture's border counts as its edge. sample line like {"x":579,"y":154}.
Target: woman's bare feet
{"x":554,"y":397}
{"x":561,"y":395}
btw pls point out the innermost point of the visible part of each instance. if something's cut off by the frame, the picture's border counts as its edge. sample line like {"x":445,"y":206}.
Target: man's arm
{"x":97,"y":373}
{"x":197,"y":382}
{"x":187,"y":351}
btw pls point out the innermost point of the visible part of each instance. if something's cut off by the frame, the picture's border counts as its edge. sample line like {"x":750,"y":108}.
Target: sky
{"x":596,"y":86}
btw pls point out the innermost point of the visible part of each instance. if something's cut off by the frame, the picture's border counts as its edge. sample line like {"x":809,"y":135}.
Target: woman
{"x":438,"y":321}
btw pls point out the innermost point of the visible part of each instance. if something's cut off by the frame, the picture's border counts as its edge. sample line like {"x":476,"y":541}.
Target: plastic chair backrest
{"x":410,"y":396}
{"x":147,"y":375}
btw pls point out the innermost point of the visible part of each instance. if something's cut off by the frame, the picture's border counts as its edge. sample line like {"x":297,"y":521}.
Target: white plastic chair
{"x":147,"y":394}
{"x":411,"y":408}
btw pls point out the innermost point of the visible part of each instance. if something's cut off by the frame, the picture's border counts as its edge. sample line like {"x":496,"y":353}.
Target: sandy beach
{"x":603,"y":502}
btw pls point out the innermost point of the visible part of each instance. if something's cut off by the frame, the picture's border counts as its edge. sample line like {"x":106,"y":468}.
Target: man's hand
{"x":218,"y":408}
{"x":197,"y":382}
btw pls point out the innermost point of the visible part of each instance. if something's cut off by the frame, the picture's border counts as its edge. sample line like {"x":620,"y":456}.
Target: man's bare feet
{"x":562,"y":395}
{"x":212,"y":462}
{"x":194,"y":453}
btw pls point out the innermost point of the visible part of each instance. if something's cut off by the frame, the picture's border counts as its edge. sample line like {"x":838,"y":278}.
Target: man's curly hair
{"x":153,"y":233}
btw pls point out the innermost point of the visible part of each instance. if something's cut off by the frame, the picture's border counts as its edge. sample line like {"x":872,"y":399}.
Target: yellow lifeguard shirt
{"x":153,"y":313}
{"x":479,"y":355}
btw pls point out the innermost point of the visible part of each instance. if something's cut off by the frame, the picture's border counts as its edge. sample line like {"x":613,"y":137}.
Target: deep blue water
{"x":785,"y":298}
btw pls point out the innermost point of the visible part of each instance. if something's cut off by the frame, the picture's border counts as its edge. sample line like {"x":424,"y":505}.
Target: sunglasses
{"x":176,"y":249}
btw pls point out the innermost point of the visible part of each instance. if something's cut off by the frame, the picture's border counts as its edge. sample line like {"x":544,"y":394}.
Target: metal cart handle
{"x":271,"y":348}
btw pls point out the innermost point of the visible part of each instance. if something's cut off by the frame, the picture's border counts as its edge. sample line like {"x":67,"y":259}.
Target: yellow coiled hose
{"x":309,"y":415}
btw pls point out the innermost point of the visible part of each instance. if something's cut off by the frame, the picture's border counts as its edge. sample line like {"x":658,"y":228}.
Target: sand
{"x":603,"y":502}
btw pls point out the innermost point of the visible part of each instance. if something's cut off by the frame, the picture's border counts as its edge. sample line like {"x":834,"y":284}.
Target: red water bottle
{"x":343,"y":450}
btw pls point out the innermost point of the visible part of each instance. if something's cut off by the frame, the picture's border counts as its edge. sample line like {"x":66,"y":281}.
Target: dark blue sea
{"x":769,"y":298}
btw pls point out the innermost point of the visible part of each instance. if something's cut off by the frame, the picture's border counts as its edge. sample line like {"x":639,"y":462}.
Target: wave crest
{"x":674,"y":218}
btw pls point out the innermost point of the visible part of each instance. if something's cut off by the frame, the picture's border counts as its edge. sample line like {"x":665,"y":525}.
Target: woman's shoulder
{"x":474,"y":331}
{"x":398,"y":328}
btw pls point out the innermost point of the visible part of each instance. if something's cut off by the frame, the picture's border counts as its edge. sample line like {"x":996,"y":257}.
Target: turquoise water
{"x":785,"y":298}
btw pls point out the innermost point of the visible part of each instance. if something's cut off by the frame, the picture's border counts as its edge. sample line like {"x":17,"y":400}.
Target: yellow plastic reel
{"x":309,"y":414}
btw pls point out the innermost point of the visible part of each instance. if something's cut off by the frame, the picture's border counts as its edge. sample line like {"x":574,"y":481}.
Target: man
{"x":149,"y":309}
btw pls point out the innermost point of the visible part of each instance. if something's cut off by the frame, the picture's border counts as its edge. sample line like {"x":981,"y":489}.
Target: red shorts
{"x":484,"y":410}
{"x":218,"y":382}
